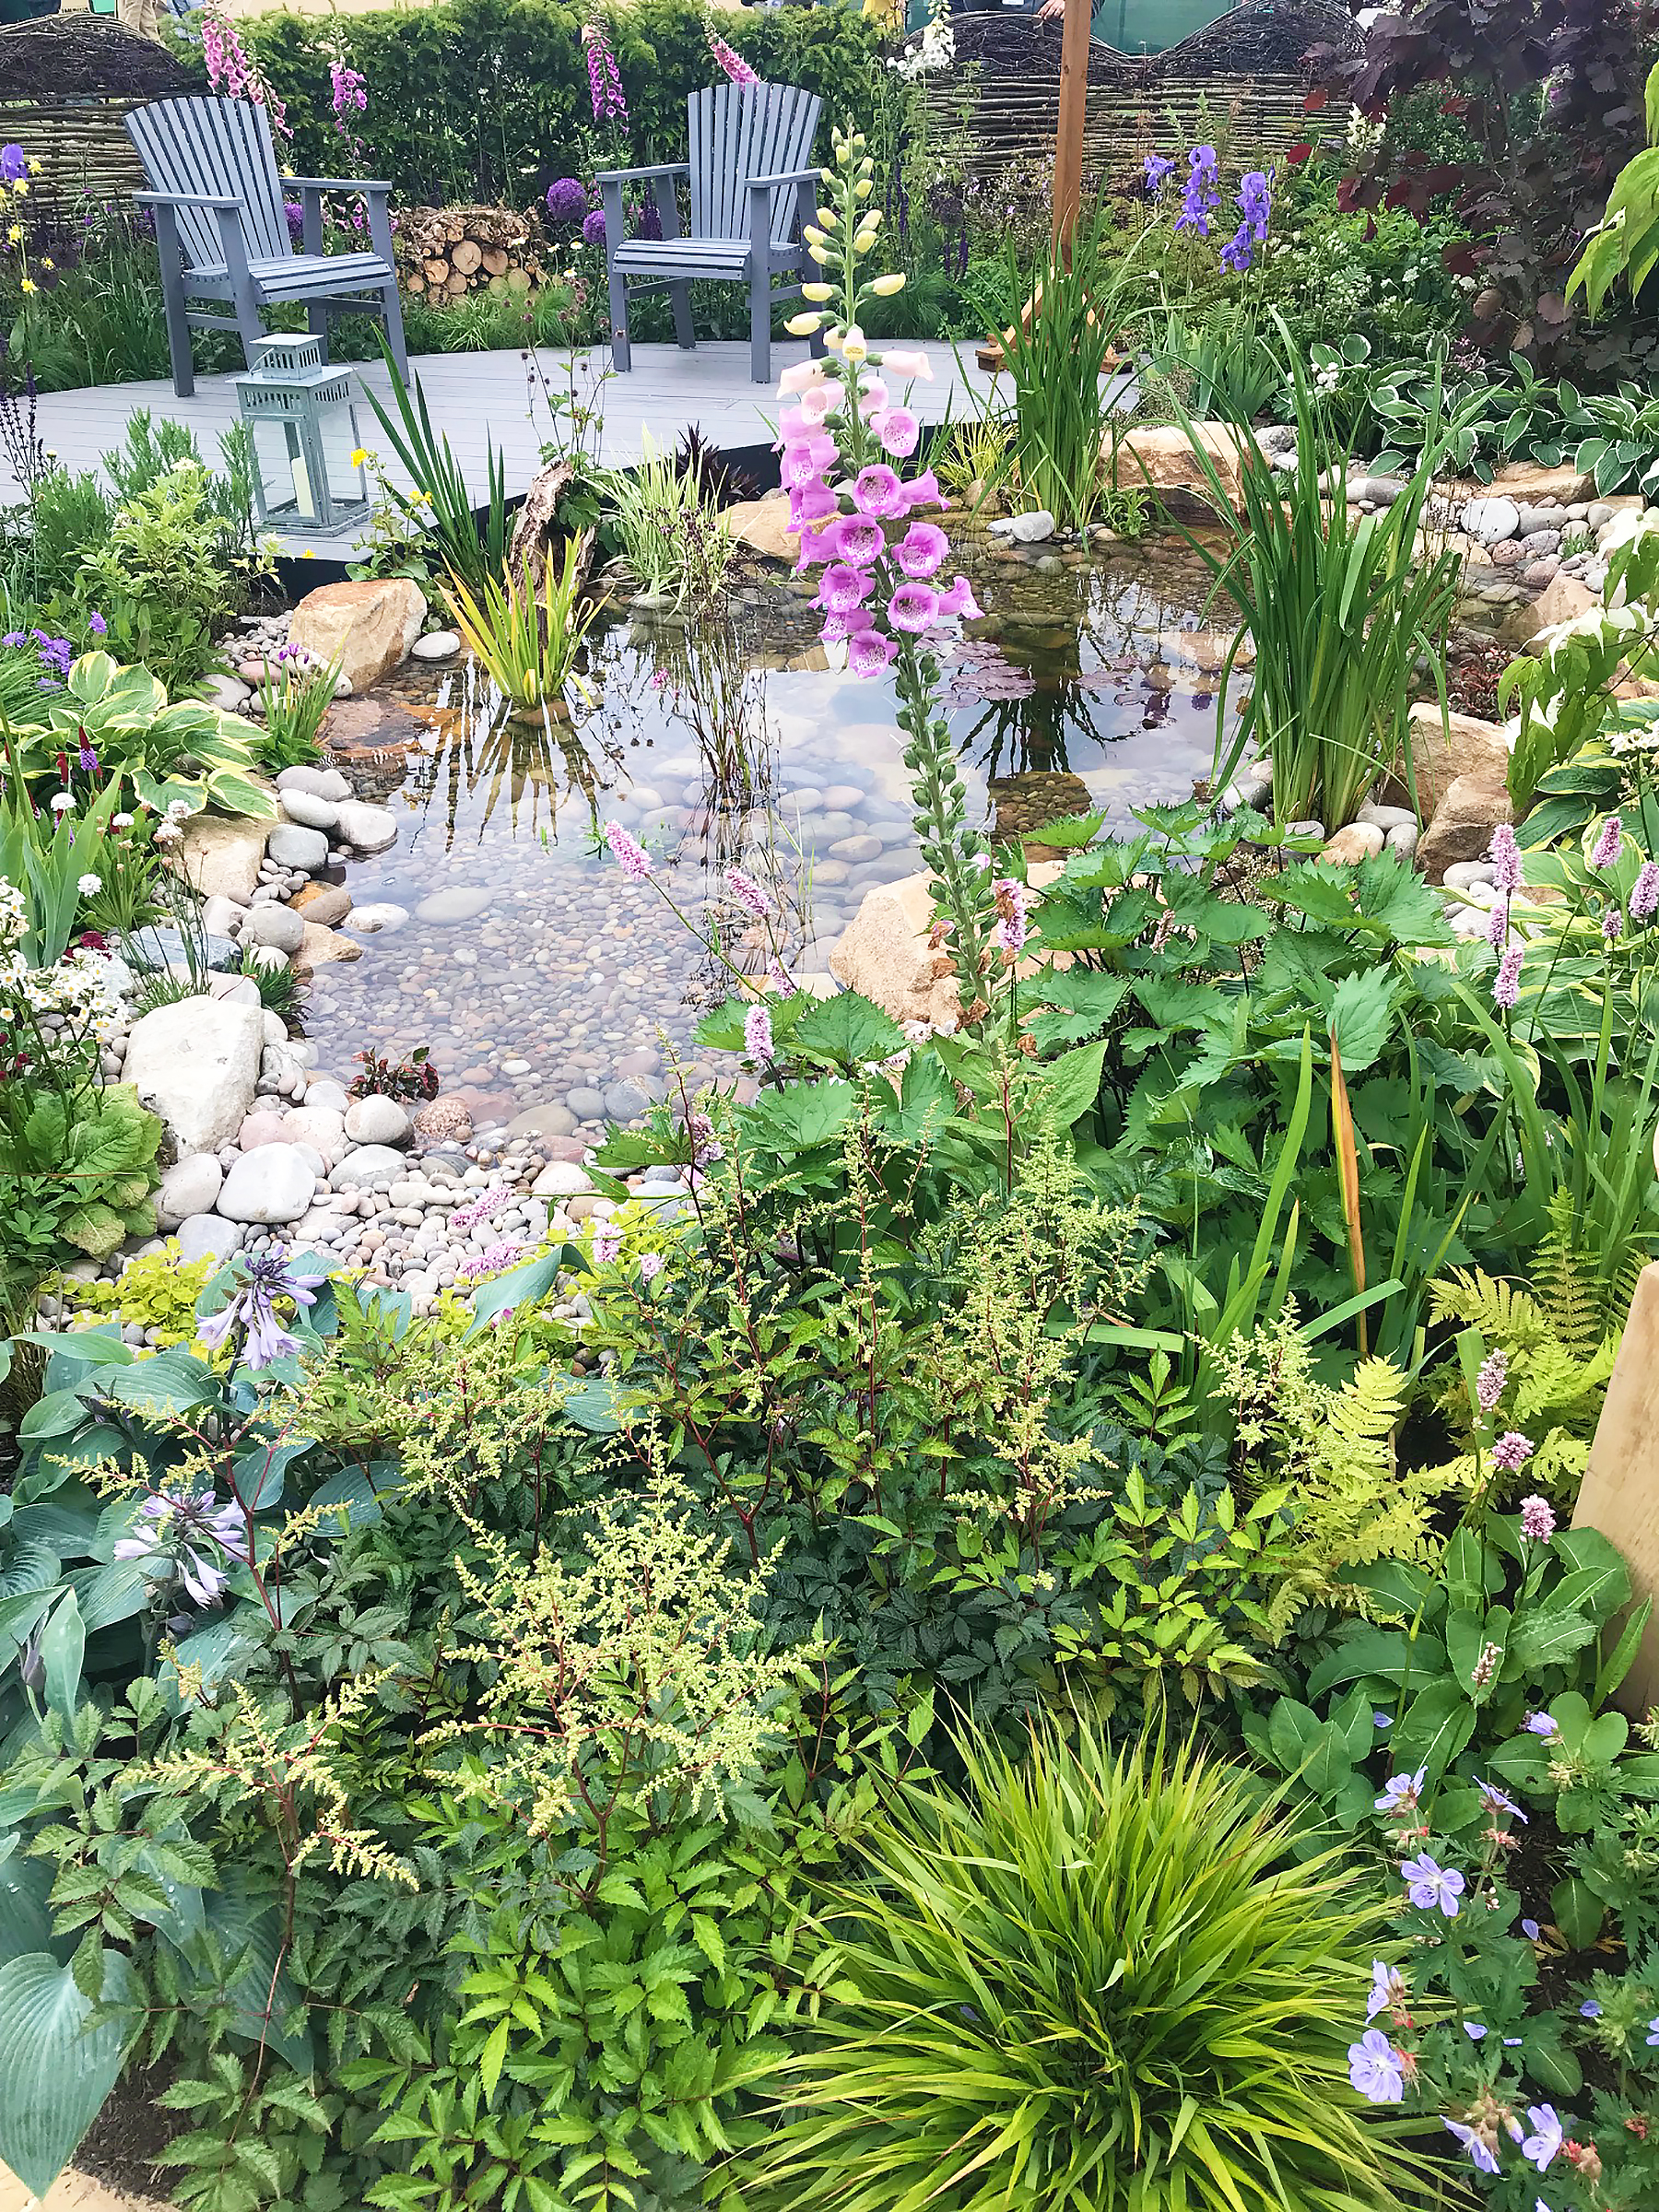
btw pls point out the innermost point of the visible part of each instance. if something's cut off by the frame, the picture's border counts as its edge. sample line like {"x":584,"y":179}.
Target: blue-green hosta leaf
{"x":56,"y":2071}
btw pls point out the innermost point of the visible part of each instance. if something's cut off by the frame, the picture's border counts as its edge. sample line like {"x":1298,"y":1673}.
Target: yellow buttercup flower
{"x":15,"y":233}
{"x":359,"y":455}
{"x":34,"y":169}
{"x":47,"y":262}
{"x":27,"y":284}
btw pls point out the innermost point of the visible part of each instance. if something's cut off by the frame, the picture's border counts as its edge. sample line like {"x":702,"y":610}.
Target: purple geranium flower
{"x":1546,"y":2137}
{"x":1430,"y":1886}
{"x":1374,"y":2068}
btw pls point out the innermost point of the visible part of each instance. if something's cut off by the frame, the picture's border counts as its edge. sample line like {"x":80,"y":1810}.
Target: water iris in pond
{"x":542,"y":977}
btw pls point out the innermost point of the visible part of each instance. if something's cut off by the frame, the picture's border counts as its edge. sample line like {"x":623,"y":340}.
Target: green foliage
{"x":668,"y":529}
{"x":156,"y":1291}
{"x":84,"y":1166}
{"x":1338,"y":612}
{"x":297,"y":697}
{"x":1625,"y":244}
{"x":1090,"y":1981}
{"x":155,"y":581}
{"x":441,"y":494}
{"x":1063,"y":427}
{"x":527,"y":640}
{"x":438,"y":144}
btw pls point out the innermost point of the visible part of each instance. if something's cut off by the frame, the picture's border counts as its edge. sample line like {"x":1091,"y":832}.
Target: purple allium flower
{"x":1608,"y":844}
{"x":593,"y":228}
{"x":1546,"y":2137}
{"x":251,"y":1314}
{"x":758,"y":1035}
{"x":179,"y":1523}
{"x":1490,"y":1383}
{"x":1511,"y":1452}
{"x":1431,"y":1886}
{"x":1506,"y":988}
{"x":1496,"y":1801}
{"x":1540,"y":1724}
{"x":1374,"y":2068}
{"x":1537,"y":1520}
{"x":747,"y":893}
{"x":1485,"y":2158}
{"x":628,"y":852}
{"x":1644,"y":892}
{"x":566,"y":201}
{"x":650,"y":1265}
{"x":1387,"y":1988}
{"x":921,"y":551}
{"x":1401,"y":1792}
{"x":1157,"y":168}
{"x":1504,"y":854}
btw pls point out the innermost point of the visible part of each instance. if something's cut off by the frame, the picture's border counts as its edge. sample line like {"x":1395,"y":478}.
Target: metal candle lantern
{"x":301,"y":417}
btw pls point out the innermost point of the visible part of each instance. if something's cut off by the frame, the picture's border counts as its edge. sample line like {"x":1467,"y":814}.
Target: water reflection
{"x":543,"y":981}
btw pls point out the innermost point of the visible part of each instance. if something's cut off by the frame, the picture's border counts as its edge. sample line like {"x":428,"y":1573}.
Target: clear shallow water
{"x":541,"y":979}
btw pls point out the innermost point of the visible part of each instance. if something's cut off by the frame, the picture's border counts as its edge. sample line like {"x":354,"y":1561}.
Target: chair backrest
{"x":743,"y":130}
{"x":221,"y":147}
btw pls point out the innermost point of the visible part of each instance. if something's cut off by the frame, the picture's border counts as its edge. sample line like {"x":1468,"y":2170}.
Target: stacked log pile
{"x":445,"y":252}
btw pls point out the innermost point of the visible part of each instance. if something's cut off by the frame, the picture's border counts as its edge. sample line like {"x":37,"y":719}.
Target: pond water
{"x":542,"y":979}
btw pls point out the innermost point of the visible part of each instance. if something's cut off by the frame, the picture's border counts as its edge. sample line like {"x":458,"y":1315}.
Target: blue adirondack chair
{"x":753,"y":185}
{"x":218,"y":196}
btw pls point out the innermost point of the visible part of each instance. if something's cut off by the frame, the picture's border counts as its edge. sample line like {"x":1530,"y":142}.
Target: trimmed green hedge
{"x":487,"y":99}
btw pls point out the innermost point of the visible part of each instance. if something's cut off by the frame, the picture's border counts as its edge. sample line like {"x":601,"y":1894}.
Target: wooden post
{"x":1620,"y":1496}
{"x":1074,"y":101}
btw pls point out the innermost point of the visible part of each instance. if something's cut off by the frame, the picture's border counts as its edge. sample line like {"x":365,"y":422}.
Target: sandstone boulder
{"x":884,"y":952}
{"x":1464,"y":746}
{"x":763,"y":527}
{"x":220,"y":853}
{"x":195,"y":1062}
{"x":1461,"y":827}
{"x":370,"y":625}
{"x":1527,"y":482}
{"x":319,"y":947}
{"x":1159,"y":458}
{"x":1564,"y":599}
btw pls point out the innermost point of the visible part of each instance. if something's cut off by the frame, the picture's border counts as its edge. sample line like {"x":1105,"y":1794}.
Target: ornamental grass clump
{"x":1092,"y":1981}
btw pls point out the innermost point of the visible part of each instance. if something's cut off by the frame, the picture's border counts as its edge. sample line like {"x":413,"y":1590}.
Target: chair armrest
{"x":785,"y":176}
{"x":375,"y":190}
{"x":183,"y":199}
{"x":630,"y":176}
{"x":339,"y":184}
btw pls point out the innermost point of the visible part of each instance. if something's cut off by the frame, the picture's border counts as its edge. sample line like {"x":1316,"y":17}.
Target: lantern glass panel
{"x":301,"y":415}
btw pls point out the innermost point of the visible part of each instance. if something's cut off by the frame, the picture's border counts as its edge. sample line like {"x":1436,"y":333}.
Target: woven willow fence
{"x":66,"y":85}
{"x":1240,"y":80}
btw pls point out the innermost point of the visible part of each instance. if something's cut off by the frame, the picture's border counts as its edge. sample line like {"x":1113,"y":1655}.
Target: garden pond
{"x":541,"y":978}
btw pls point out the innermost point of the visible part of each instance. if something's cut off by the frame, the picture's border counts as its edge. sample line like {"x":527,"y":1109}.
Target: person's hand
{"x":1050,"y":10}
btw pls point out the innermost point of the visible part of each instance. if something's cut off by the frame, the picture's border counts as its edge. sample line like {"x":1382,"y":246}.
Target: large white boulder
{"x":195,"y":1062}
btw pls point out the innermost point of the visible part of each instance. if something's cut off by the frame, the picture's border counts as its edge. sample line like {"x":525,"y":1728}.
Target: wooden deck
{"x":475,"y":396}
